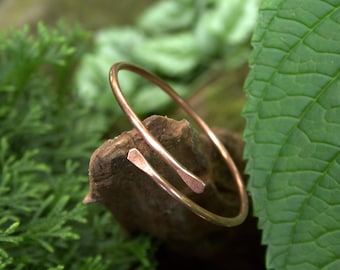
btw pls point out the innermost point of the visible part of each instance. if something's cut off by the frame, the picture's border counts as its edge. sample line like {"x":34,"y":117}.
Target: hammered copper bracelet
{"x":193,"y":182}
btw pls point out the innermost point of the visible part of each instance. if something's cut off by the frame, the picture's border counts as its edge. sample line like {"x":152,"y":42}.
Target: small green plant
{"x":45,"y":145}
{"x":292,"y":133}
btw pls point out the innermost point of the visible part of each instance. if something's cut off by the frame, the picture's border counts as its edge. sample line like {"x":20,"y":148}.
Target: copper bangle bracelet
{"x":193,"y":182}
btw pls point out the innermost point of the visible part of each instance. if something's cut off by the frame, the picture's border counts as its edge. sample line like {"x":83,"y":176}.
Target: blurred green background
{"x":56,"y":107}
{"x":91,"y":14}
{"x":220,"y":74}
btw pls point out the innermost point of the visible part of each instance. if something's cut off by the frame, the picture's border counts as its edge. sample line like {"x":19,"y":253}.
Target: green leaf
{"x":151,"y":98}
{"x":168,"y":16}
{"x":292,"y":132}
{"x":172,"y":55}
{"x":7,"y":234}
{"x":111,"y":46}
{"x":225,"y":23}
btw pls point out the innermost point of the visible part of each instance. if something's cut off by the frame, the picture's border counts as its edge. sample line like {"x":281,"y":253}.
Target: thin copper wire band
{"x":194,"y":182}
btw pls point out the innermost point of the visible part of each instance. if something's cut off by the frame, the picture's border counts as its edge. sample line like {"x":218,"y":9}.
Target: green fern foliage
{"x":44,"y":150}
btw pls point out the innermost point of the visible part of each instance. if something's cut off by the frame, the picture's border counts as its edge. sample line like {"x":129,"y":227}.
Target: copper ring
{"x":194,"y":182}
